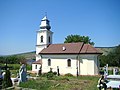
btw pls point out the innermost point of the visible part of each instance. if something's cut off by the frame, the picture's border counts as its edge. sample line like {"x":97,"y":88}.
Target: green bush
{"x":44,"y":75}
{"x":69,"y":75}
{"x":110,"y":72}
{"x":1,"y":83}
{"x":55,"y":73}
{"x":119,"y":73}
{"x":50,"y":75}
{"x":101,"y":72}
{"x":7,"y":82}
{"x":29,"y":67}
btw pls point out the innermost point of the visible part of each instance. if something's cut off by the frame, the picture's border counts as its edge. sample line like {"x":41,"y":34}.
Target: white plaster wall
{"x":41,"y":45}
{"x":39,"y":48}
{"x":33,"y":67}
{"x":61,"y":61}
{"x":39,"y":34}
{"x":45,"y":34}
{"x":83,"y":67}
{"x":38,"y":57}
{"x":49,"y":33}
{"x":88,"y":65}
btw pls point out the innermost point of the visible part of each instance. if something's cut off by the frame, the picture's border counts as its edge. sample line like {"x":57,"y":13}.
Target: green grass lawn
{"x":63,"y":83}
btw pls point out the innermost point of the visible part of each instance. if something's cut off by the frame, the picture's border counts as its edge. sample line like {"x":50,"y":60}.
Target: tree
{"x":2,"y":59}
{"x":78,"y":38}
{"x":13,"y":59}
{"x":112,"y":59}
{"x":103,"y":60}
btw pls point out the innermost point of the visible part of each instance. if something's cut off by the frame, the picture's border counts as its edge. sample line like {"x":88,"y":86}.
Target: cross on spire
{"x":46,"y":14}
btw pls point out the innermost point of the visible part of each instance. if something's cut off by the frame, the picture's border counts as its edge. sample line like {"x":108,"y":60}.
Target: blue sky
{"x":20,"y":19}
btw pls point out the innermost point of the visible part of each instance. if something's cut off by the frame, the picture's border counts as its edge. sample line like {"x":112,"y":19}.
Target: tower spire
{"x":45,"y":25}
{"x":44,"y":36}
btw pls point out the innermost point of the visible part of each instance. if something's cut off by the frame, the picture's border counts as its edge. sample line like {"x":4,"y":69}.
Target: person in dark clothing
{"x":101,"y":83}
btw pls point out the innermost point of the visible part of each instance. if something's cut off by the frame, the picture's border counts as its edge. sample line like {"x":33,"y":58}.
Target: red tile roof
{"x":70,"y":48}
{"x":88,"y":49}
{"x":37,"y":62}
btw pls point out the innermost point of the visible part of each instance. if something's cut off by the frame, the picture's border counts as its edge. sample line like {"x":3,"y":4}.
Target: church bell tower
{"x":44,"y":36}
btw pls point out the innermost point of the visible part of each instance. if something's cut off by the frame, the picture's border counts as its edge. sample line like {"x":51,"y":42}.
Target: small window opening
{"x":69,"y":62}
{"x":49,"y":39}
{"x":49,"y":62}
{"x":35,"y":66}
{"x":41,"y":38}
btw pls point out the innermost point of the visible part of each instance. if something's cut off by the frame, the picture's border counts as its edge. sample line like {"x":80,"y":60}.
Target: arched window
{"x":41,"y":38}
{"x":49,"y":39}
{"x":69,"y":62}
{"x":35,"y":66}
{"x":49,"y":62}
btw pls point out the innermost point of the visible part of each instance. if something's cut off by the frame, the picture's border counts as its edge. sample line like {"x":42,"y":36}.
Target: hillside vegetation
{"x":27,"y":55}
{"x":106,"y":50}
{"x":112,"y":58}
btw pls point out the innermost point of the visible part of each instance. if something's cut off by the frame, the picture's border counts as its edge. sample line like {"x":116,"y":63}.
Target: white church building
{"x":68,"y":57}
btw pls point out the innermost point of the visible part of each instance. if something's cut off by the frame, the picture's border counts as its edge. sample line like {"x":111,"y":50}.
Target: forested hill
{"x":105,"y":50}
{"x":27,"y":55}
